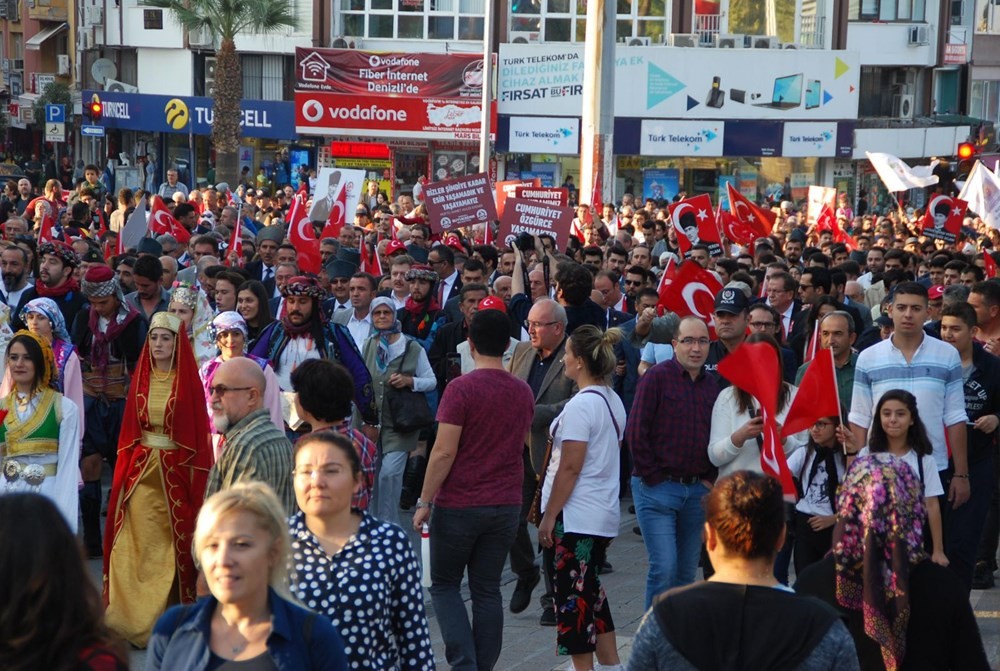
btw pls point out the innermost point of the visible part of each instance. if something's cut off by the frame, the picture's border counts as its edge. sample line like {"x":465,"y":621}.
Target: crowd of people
{"x":272,"y":433}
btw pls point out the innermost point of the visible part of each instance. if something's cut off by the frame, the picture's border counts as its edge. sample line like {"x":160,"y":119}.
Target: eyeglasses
{"x":435,"y":263}
{"x":538,"y":325}
{"x":327,"y":471}
{"x":222,"y":389}
{"x":633,"y":283}
{"x":691,"y":342}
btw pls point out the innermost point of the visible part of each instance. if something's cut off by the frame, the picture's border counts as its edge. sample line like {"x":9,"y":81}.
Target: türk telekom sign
{"x":388,"y":116}
{"x":414,"y":75}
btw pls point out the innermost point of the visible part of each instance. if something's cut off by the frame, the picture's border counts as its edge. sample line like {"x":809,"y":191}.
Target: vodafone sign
{"x":318,"y":113}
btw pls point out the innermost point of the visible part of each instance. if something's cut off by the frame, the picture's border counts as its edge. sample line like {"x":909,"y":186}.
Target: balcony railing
{"x":812,"y":31}
{"x":706,"y":27}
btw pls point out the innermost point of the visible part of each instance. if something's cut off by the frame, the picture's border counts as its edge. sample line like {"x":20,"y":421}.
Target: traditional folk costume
{"x":159,"y":484}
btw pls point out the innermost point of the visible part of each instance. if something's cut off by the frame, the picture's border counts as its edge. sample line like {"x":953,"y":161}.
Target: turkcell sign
{"x":189,"y":114}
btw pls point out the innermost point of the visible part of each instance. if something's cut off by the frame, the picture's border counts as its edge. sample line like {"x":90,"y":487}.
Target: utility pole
{"x":484,"y":126}
{"x":598,"y":103}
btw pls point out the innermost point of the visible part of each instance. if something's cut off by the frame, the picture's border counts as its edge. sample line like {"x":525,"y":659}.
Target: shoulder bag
{"x":408,"y":409}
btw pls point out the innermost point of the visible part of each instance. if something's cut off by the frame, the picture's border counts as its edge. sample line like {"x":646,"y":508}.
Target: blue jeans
{"x":478,"y":539}
{"x":671,"y":518}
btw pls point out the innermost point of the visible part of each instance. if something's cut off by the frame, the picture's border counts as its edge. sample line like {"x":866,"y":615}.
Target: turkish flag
{"x":46,"y":231}
{"x":754,"y":368}
{"x":236,"y":242}
{"x":749,"y":221}
{"x":944,"y":216}
{"x":817,"y":396}
{"x":161,"y":221}
{"x":303,"y":237}
{"x":692,"y":292}
{"x":337,"y":218}
{"x":370,"y":263}
{"x":991,"y":265}
{"x":694,"y":222}
{"x":826,"y":221}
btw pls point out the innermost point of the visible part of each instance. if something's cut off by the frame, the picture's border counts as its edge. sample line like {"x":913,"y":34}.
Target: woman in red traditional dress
{"x":164,"y":455}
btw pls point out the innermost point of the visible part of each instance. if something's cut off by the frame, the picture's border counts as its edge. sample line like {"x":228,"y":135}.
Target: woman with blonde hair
{"x":242,"y":545}
{"x":580,"y":500}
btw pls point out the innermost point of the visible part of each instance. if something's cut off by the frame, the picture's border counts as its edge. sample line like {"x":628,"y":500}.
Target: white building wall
{"x":166,"y":71}
{"x":888,"y":43}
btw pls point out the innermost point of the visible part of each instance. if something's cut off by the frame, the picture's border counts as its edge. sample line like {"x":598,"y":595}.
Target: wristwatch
{"x":424,"y":504}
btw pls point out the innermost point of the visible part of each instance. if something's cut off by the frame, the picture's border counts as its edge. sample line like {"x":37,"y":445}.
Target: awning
{"x":34,"y":43}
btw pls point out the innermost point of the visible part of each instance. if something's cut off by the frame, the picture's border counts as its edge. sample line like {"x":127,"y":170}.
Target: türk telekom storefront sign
{"x":389,"y":73}
{"x":388,"y":116}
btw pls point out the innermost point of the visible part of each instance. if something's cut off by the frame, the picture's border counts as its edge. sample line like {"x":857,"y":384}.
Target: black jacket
{"x":126,"y":347}
{"x":982,"y":397}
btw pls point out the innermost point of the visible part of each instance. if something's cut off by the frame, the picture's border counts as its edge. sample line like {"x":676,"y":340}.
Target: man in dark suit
{"x":538,"y":362}
{"x":441,"y":259}
{"x":263,"y":267}
{"x":474,"y":272}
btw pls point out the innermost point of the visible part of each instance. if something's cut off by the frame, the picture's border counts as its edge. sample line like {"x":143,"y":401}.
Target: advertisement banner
{"x":386,"y":116}
{"x":506,"y":190}
{"x":527,"y":216}
{"x":547,"y":80}
{"x":544,"y":135}
{"x":681,"y":138}
{"x":810,"y":139}
{"x":459,"y":202}
{"x":556,"y":196}
{"x":661,"y":183}
{"x":368,"y":73}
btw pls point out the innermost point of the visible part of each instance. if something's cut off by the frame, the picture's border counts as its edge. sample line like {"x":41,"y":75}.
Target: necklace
{"x":160,"y":376}
{"x":22,"y":401}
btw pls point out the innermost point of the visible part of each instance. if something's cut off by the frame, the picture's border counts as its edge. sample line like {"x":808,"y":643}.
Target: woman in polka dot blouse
{"x":359,"y":571}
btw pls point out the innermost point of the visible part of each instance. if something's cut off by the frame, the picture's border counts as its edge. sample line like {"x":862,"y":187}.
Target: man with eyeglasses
{"x":781,"y":290}
{"x":256,"y":449}
{"x":538,"y":362}
{"x":668,"y":432}
{"x":635,"y":280}
{"x":765,"y":319}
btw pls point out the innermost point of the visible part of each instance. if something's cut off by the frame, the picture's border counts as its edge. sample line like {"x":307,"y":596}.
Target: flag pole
{"x":836,"y":391}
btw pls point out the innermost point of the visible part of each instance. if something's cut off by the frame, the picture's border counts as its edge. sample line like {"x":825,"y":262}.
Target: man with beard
{"x":14,"y":264}
{"x":23,"y":196}
{"x":303,"y":333}
{"x":108,"y":336}
{"x":731,"y":312}
{"x":421,"y":316}
{"x":149,"y":296}
{"x":256,"y":449}
{"x":55,"y":281}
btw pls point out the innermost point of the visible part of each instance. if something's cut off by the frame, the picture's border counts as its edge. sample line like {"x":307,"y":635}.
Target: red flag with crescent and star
{"x":303,"y":237}
{"x":692,"y":292}
{"x":161,"y":220}
{"x":943,"y":220}
{"x":693,"y":220}
{"x":747,"y":222}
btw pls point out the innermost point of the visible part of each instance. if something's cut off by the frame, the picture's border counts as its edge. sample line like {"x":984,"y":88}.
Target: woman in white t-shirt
{"x":580,"y":499}
{"x":897,"y":429}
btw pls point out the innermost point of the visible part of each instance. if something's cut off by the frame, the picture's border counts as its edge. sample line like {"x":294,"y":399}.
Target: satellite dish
{"x":102,"y":70}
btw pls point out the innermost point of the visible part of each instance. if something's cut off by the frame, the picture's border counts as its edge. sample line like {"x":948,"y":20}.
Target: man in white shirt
{"x":362,"y":288}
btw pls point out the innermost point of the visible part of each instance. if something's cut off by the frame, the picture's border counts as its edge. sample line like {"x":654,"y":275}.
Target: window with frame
{"x":263,"y":76}
{"x":566,"y":20}
{"x":887,"y":10}
{"x":984,"y":100}
{"x":413,"y":19}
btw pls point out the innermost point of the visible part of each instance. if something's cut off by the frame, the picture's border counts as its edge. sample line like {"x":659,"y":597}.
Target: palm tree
{"x":224,"y":20}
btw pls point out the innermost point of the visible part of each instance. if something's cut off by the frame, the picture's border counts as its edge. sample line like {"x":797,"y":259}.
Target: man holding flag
{"x":836,"y":333}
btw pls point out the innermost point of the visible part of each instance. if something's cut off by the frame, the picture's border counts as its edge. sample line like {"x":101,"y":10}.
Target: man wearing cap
{"x":55,"y":281}
{"x":340,"y":271}
{"x":731,"y":313}
{"x":443,"y":354}
{"x":262,"y":269}
{"x":108,"y":335}
{"x":303,"y":333}
{"x":421,"y":316}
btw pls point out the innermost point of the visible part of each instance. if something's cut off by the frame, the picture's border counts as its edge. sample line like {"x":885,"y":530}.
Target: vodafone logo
{"x":368,"y":113}
{"x":312,"y":110}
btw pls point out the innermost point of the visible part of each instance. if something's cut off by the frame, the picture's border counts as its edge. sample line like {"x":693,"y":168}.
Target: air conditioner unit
{"x":902,"y":106}
{"x":201,"y":37}
{"x":115,"y":86}
{"x":524,"y":36}
{"x":685,"y":40}
{"x":210,"y":77}
{"x":62,"y":64}
{"x":764,"y":42}
{"x":731,"y":41}
{"x":789,"y":45}
{"x":87,"y":41}
{"x":93,"y":15}
{"x":639,"y":41}
{"x":17,"y":64}
{"x":918,"y":35}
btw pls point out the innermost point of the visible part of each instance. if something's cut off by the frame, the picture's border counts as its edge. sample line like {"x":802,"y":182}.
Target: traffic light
{"x":966,"y":154}
{"x":95,"y":109}
{"x":966,"y":150}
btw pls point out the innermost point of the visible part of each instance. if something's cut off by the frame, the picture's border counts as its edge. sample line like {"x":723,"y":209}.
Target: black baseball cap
{"x":731,"y":300}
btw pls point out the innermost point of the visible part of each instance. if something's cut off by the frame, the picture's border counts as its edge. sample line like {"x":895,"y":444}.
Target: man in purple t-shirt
{"x":474,"y":480}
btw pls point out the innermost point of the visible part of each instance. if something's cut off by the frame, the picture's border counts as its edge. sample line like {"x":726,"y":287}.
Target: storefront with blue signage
{"x":175,"y":131}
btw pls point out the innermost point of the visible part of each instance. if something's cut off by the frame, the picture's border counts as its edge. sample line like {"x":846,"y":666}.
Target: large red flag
{"x":826,"y":221}
{"x":746,"y":222}
{"x":694,"y":222}
{"x":302,"y":235}
{"x":692,"y":292}
{"x":46,"y":231}
{"x":991,"y":265}
{"x":370,"y":263}
{"x":161,"y":220}
{"x":754,"y":368}
{"x":817,"y":396}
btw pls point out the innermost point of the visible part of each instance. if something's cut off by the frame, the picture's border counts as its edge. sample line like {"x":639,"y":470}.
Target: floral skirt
{"x":582,"y":610}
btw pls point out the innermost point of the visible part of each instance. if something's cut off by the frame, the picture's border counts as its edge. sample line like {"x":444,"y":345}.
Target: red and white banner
{"x":506,"y":190}
{"x":369,"y":73}
{"x":384,"y":116}
{"x":944,"y":217}
{"x":694,"y":221}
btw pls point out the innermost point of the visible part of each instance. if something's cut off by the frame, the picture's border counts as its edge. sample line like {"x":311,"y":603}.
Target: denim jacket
{"x":180,"y":638}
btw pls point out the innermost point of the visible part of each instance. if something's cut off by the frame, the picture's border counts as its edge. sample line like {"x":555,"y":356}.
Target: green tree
{"x":224,"y":20}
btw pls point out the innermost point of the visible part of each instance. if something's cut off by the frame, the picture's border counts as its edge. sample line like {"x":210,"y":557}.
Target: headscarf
{"x":229,"y":321}
{"x":100,"y":282}
{"x":879,"y":535}
{"x":303,"y":286}
{"x":51,"y":373}
{"x":382,"y":353}
{"x":48,"y":309}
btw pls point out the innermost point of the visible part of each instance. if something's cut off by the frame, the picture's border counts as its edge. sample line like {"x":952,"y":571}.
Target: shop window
{"x":887,"y":10}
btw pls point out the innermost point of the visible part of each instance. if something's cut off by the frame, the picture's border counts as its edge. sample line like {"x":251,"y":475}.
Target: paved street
{"x":530,"y":647}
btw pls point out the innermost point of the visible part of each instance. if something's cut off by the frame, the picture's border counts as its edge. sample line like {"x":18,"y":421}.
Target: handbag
{"x":408,"y":409}
{"x":535,"y":512}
